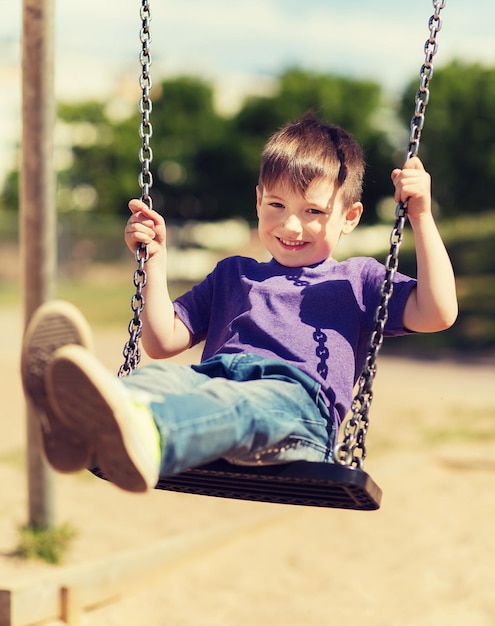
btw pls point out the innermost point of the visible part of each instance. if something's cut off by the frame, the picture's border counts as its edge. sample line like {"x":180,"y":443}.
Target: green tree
{"x":187,"y":132}
{"x":458,"y":142}
{"x":97,"y":156}
{"x":90,"y":148}
{"x":98,"y":159}
{"x":205,"y":166}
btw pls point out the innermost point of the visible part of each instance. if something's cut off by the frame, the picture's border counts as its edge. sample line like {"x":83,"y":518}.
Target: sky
{"x":240,"y":46}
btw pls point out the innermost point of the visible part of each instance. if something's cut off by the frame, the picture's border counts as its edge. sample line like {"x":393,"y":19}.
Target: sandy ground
{"x":426,"y":558}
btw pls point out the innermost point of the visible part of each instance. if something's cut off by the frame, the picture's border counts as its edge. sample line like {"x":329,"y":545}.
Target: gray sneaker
{"x":120,"y":427}
{"x":53,"y":325}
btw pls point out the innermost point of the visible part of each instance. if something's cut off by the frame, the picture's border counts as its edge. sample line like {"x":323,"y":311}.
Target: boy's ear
{"x":352,"y":217}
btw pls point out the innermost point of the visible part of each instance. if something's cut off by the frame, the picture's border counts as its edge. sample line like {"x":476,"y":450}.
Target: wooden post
{"x":37,"y":210}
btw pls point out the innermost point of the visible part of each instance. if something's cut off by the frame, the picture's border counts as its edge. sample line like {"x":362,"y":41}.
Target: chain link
{"x":351,"y":451}
{"x":145,"y":106}
{"x":132,"y":352}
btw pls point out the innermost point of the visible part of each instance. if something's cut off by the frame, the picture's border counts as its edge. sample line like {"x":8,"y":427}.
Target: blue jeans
{"x":241,"y":407}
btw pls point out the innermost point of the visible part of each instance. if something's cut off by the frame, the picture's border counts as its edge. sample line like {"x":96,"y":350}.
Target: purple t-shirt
{"x":318,"y":318}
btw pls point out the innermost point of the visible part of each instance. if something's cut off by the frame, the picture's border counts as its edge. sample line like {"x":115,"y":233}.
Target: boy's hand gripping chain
{"x":132,"y":353}
{"x":352,"y":450}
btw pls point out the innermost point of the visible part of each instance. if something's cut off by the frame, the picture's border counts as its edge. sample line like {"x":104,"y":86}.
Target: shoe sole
{"x":89,"y":399}
{"x":53,"y":325}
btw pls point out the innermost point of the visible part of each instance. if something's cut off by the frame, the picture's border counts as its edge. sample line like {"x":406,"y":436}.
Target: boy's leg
{"x":166,"y":418}
{"x":91,"y":400}
{"x":239,"y":410}
{"x":52,"y":326}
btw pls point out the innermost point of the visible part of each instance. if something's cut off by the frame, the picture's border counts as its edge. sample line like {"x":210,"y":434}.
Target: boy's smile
{"x":292,"y":244}
{"x":302,"y":230}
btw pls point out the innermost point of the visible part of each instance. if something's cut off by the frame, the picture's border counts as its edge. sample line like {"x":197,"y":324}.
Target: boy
{"x":285,"y":340}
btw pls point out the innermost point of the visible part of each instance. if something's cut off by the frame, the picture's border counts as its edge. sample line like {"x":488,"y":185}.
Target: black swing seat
{"x":300,"y":482}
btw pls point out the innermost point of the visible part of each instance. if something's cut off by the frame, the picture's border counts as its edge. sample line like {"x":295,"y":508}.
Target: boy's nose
{"x":292,"y":225}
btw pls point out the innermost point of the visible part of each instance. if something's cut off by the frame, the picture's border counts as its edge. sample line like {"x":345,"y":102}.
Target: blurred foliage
{"x":469,"y":240}
{"x":205,"y":165}
{"x":458,"y":144}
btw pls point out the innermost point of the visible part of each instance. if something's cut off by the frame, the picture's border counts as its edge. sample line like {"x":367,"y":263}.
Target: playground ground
{"x":426,"y":558}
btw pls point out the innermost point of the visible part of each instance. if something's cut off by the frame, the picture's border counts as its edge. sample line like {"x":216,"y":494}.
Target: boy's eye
{"x":277,"y":205}
{"x":315,"y":211}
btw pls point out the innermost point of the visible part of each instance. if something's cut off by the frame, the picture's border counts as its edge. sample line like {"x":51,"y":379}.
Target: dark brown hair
{"x":307,"y":150}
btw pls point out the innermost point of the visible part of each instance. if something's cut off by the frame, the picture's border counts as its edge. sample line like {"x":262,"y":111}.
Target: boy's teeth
{"x":292,"y":243}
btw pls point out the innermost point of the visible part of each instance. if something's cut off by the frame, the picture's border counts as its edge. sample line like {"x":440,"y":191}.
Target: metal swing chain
{"x":352,"y":450}
{"x":132,"y":352}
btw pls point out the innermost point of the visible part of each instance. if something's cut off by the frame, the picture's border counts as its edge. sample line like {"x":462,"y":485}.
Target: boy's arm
{"x":432,"y":305}
{"x":164,"y":334}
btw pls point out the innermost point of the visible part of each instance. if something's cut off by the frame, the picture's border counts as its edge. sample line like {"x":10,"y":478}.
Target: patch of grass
{"x":10,"y":294}
{"x":103,"y":305}
{"x":474,"y":426}
{"x":107,"y":303}
{"x":16,"y":458}
{"x":458,"y":434}
{"x":48,"y":544}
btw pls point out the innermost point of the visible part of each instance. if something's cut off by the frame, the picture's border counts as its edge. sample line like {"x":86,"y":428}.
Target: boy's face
{"x":302,"y":230}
